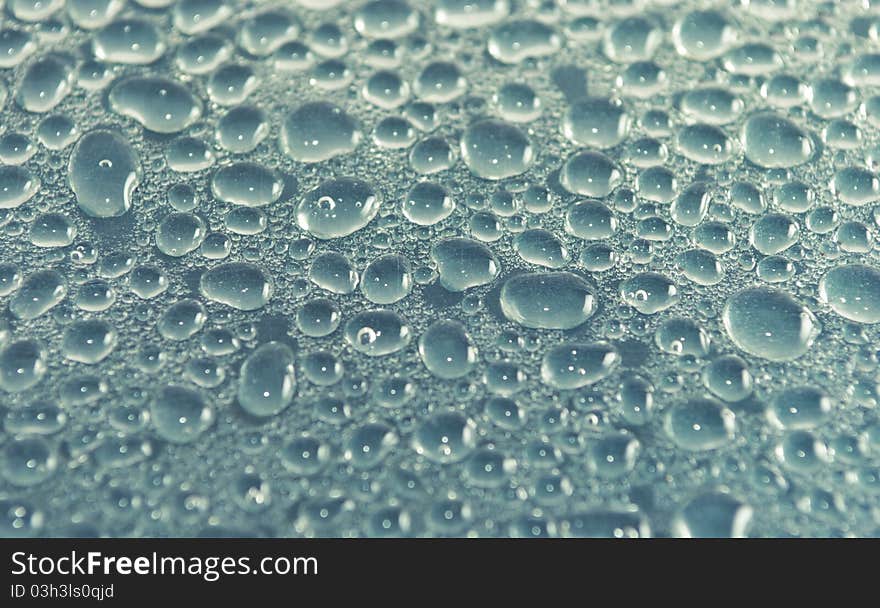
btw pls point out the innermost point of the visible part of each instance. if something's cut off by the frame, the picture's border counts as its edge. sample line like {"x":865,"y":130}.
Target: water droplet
{"x":770,"y":324}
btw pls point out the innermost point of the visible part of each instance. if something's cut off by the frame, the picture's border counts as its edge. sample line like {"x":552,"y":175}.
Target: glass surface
{"x":463,"y":267}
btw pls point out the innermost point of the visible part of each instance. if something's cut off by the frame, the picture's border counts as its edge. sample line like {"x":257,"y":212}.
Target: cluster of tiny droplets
{"x":439,"y":268}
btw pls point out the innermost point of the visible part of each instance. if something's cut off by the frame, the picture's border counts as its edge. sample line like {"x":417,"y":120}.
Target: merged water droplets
{"x":464,"y":263}
{"x":268,"y":380}
{"x":39,"y":292}
{"x":246,"y":183}
{"x":157,"y":104}
{"x":590,"y":174}
{"x":22,"y":365}
{"x":318,"y":131}
{"x":128,"y":41}
{"x":338,"y":208}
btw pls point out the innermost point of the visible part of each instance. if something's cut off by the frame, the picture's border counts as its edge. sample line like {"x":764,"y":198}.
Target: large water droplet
{"x":318,"y":131}
{"x":237,"y":284}
{"x":338,"y":207}
{"x":104,"y":171}
{"x":548,"y":300}
{"x":770,"y":324}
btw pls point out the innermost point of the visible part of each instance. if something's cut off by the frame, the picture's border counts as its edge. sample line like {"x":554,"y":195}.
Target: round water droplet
{"x":431,"y":155}
{"x":631,"y":39}
{"x":387,"y":279}
{"x":317,"y":318}
{"x":516,"y":41}
{"x":89,"y":341}
{"x":104,"y":171}
{"x":711,"y":105}
{"x":462,"y":14}
{"x":494,"y":149}
{"x":386,"y":19}
{"x":446,"y":350}
{"x":445,"y":437}
{"x":195,"y":16}
{"x":334,"y":272}
{"x":180,"y":233}
{"x":129,"y":41}
{"x":338,"y":207}
{"x":518,"y":102}
{"x":856,"y":186}
{"x":799,"y":408}
{"x":189,"y":154}
{"x":267,"y":31}
{"x":590,"y":174}
{"x":772,"y":142}
{"x":45,"y":83}
{"x":714,"y":515}
{"x":147,"y":282}
{"x":242,"y":129}
{"x":267,"y":381}
{"x":440,"y":82}
{"x":427,"y":203}
{"x":728,"y":378}
{"x":704,"y":144}
{"x":770,"y":324}
{"x":28,"y":461}
{"x":590,"y":220}
{"x":541,"y":247}
{"x":773,"y":233}
{"x":182,"y":320}
{"x":703,"y":35}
